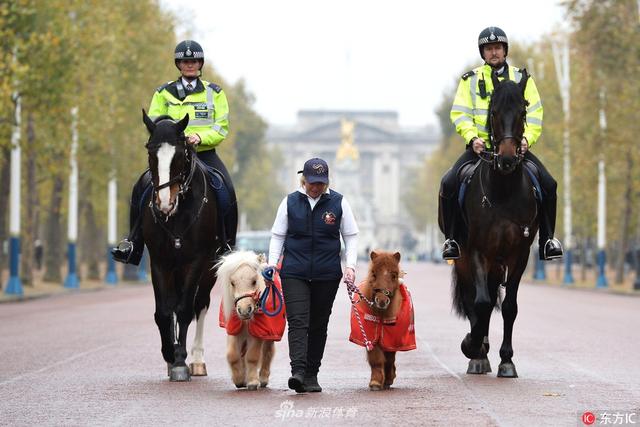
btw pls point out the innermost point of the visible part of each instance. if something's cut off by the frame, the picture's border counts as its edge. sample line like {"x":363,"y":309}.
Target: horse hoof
{"x":375,"y":387}
{"x":507,"y":370}
{"x":252,"y":387}
{"x":179,"y":373}
{"x":240,"y":385}
{"x":264,"y":383}
{"x":476,"y":366}
{"x":198,"y":369}
{"x":486,"y":366}
{"x":387,"y":386}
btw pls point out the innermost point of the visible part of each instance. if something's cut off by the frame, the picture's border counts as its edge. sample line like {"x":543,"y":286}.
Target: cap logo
{"x":492,"y":36}
{"x":319,"y":168}
{"x":188,"y":52}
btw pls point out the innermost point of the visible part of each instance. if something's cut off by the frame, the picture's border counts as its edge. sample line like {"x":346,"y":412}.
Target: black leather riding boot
{"x":129,"y":250}
{"x":548,"y":247}
{"x":451,"y":249}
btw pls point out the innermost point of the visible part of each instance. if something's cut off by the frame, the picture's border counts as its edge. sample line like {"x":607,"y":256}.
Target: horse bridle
{"x":185,"y":184}
{"x":255,"y":295}
{"x":183,"y":178}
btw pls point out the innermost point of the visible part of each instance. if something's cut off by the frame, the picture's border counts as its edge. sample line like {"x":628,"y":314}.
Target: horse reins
{"x":177,"y":238}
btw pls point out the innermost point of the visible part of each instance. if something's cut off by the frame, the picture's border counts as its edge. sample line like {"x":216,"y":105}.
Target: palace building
{"x":371,"y":159}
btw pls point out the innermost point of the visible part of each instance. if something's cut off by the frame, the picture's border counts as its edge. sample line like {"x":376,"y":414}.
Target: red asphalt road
{"x":93,"y":358}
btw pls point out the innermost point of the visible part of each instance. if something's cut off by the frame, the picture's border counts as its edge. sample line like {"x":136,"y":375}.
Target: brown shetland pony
{"x":388,"y":320}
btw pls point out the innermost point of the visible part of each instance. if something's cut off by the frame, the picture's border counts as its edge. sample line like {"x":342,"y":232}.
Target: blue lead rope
{"x":278,"y":300}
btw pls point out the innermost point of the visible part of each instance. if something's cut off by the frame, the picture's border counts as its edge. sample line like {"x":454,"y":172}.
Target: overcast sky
{"x":353,"y":54}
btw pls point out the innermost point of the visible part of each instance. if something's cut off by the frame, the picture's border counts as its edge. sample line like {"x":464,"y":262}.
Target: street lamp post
{"x":601,"y":282}
{"x":72,"y":225}
{"x":111,"y":277}
{"x":561,"y":60}
{"x":14,"y":286}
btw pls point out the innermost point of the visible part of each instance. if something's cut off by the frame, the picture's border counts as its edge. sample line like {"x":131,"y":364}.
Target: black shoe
{"x":311,"y":384}
{"x":296,"y":382}
{"x":450,"y":249}
{"x":122,"y":252}
{"x":552,"y":250}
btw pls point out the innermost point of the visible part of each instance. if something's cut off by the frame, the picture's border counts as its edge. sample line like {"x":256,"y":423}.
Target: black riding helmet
{"x":493,"y":35}
{"x":189,"y":49}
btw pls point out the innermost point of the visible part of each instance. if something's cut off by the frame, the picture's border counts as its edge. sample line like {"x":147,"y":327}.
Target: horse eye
{"x":254,"y":282}
{"x":394,"y":276}
{"x":374,"y":276}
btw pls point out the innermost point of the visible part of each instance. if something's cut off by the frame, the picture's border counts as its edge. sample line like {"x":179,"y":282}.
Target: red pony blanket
{"x":397,"y":334}
{"x":260,"y":326}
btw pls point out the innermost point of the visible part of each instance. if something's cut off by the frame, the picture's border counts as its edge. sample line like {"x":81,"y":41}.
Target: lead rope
{"x":351,"y":289}
{"x":271,"y":288}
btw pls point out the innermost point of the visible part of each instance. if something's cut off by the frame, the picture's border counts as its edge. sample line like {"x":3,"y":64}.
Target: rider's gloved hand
{"x":477,"y":145}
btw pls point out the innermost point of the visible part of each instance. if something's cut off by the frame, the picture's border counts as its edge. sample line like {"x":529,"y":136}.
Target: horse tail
{"x":456,"y":293}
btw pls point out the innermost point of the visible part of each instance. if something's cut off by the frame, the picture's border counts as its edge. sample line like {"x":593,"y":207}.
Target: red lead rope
{"x":351,"y":289}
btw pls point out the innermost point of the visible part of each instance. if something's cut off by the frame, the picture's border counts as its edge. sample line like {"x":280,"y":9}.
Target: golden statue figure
{"x":347,"y":149}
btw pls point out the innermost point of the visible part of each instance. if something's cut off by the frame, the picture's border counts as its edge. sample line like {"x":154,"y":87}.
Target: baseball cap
{"x":315,"y":170}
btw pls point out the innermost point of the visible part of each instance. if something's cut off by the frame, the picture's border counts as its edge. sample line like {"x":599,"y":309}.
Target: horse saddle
{"x":221,"y":189}
{"x":534,"y":174}
{"x":465,"y":173}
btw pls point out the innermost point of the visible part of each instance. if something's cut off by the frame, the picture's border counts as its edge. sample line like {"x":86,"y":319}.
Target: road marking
{"x":53,"y":365}
{"x":484,"y":405}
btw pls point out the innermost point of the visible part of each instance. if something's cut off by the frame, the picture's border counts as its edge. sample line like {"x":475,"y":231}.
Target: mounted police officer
{"x":469,"y":115}
{"x":206,"y":104}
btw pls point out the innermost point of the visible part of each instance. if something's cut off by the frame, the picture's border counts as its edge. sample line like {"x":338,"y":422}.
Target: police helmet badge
{"x":492,"y":36}
{"x":329,"y":218}
{"x":188,"y":52}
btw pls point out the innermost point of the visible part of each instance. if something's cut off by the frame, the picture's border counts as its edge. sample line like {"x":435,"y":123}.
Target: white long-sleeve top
{"x":348,"y":229}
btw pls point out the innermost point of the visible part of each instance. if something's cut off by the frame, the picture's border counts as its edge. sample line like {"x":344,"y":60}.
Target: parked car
{"x":257,"y":241}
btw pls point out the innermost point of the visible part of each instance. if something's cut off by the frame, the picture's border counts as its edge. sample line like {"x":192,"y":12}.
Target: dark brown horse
{"x":179,"y":229}
{"x":501,"y":215}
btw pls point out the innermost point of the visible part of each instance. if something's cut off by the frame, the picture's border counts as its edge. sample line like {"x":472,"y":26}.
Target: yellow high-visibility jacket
{"x":469,"y":110}
{"x":207,"y":108}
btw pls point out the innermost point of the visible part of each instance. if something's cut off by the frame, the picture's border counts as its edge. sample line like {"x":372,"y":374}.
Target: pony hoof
{"x":507,"y":370}
{"x":240,"y":385}
{"x":486,"y":366}
{"x":387,"y":386}
{"x":198,"y":369}
{"x":375,"y":387}
{"x":179,"y":373}
{"x":476,"y":366}
{"x":264,"y":383}
{"x":252,"y":387}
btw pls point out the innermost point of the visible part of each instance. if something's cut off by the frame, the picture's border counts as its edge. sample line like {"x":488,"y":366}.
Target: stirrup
{"x":450,"y":250}
{"x":552,"y":249}
{"x":122,"y":252}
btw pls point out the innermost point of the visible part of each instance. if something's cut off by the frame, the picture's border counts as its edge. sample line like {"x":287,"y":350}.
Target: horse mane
{"x":507,"y":95}
{"x":228,"y":265}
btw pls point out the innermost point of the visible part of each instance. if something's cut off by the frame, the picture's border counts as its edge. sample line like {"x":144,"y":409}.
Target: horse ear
{"x":397,"y":256}
{"x":182,"y":124}
{"x":522,"y":84}
{"x":148,"y":122}
{"x":494,"y":80}
{"x":373,"y":255}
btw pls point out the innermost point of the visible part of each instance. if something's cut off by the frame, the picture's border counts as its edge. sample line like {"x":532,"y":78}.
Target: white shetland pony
{"x":240,"y":275}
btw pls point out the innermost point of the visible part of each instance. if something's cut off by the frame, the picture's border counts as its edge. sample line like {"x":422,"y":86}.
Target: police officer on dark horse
{"x":469,"y":115}
{"x":208,"y":110}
